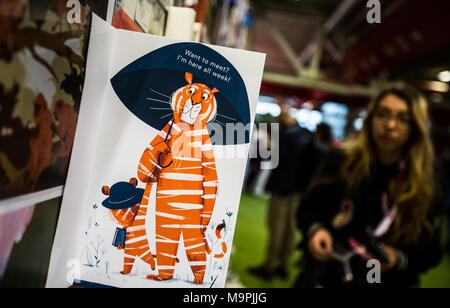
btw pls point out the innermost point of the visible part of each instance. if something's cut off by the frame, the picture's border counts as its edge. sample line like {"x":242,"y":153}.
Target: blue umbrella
{"x":146,"y":85}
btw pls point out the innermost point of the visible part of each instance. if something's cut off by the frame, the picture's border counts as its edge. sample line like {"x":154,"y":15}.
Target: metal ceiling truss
{"x":311,"y":76}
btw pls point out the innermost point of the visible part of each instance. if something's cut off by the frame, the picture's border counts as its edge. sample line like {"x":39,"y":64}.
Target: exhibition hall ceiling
{"x":408,"y":44}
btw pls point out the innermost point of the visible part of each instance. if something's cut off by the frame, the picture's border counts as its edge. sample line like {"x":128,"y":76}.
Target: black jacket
{"x":323,"y":203}
{"x":298,"y":159}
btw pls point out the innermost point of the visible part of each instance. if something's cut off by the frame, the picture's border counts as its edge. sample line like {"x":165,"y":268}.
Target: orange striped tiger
{"x":136,"y":242}
{"x":181,"y":160}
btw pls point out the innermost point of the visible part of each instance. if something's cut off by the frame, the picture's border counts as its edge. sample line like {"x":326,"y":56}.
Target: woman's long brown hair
{"x":414,"y":195}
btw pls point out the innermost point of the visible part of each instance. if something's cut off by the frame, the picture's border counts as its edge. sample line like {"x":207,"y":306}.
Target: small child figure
{"x":124,"y":202}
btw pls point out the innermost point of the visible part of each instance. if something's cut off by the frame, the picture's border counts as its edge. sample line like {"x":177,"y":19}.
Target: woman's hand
{"x":321,"y":245}
{"x":387,"y":266}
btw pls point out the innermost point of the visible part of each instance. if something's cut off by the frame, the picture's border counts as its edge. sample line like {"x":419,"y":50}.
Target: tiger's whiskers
{"x":219,"y":122}
{"x":167,"y":115}
{"x":226,"y":117}
{"x":157,"y":108}
{"x":159,"y":93}
{"x":157,"y":100}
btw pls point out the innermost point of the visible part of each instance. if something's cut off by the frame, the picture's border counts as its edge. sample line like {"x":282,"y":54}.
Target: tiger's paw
{"x":159,"y":277}
{"x":198,"y":278}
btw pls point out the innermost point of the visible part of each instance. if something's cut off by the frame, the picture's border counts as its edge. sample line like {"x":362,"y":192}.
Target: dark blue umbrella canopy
{"x":146,"y":85}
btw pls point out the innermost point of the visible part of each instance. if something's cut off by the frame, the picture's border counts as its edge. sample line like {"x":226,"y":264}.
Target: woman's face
{"x":391,"y":124}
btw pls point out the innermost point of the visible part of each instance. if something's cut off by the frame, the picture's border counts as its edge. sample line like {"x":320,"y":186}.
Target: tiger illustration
{"x":181,"y":160}
{"x":123,"y":203}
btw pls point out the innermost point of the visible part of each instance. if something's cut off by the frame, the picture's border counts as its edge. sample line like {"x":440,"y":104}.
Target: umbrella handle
{"x":165,"y":140}
{"x":159,"y":163}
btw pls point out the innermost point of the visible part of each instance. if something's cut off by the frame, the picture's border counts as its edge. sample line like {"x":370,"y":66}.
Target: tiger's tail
{"x":223,"y":244}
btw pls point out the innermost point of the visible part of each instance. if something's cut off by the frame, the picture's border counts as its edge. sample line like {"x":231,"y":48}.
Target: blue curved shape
{"x":145,"y":85}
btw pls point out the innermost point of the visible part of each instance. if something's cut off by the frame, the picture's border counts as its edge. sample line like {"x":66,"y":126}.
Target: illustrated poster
{"x":158,"y":163}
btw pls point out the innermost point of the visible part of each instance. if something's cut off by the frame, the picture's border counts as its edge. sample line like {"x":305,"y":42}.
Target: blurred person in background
{"x":259,"y":138}
{"x":285,"y":185}
{"x":375,"y":199}
{"x":446,"y":170}
{"x":323,"y":137}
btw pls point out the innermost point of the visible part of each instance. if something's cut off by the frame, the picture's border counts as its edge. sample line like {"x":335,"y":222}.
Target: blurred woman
{"x":375,"y":200}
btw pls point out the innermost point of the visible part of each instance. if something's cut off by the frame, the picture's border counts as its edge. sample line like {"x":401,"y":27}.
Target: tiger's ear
{"x":189,"y":77}
{"x":105,"y":190}
{"x":134,"y":182}
{"x":215,"y":90}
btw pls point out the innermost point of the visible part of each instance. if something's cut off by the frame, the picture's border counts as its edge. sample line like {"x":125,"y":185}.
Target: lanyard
{"x":384,"y":225}
{"x":380,"y":230}
{"x":388,"y":219}
{"x":389,"y":215}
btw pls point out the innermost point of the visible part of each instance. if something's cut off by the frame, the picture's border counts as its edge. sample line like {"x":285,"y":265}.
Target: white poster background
{"x":108,"y":145}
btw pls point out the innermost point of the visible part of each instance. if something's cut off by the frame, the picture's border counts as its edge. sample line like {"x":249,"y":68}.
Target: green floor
{"x":250,"y":246}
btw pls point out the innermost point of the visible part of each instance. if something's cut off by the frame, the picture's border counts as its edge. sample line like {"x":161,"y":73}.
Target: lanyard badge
{"x":388,"y":219}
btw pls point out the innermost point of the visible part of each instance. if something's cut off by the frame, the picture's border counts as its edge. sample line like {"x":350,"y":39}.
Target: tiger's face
{"x":194,"y":103}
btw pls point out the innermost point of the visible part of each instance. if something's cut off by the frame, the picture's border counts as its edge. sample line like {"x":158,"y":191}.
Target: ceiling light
{"x":436,"y":86}
{"x":444,"y":76}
